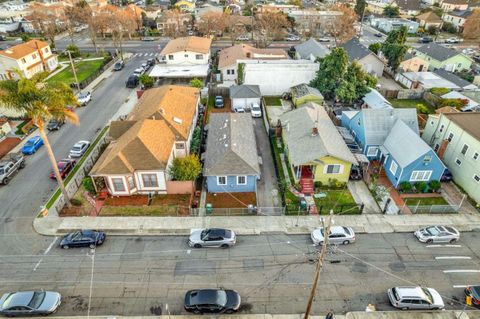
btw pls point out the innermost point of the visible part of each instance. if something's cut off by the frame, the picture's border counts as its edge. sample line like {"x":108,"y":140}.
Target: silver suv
{"x":415,"y":298}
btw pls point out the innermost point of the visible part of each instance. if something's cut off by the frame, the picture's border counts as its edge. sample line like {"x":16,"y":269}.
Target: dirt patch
{"x":82,"y":209}
{"x":8,"y":144}
{"x":231,"y":200}
{"x":171,"y":199}
{"x":144,"y":211}
{"x":136,"y":200}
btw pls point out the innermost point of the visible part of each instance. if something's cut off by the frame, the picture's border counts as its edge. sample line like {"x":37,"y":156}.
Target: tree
{"x":212,"y":22}
{"x":471,"y":28}
{"x":45,"y":21}
{"x":375,"y":47}
{"x":355,"y":84}
{"x":391,"y":11}
{"x":149,"y":2}
{"x":185,"y":168}
{"x":394,"y":48}
{"x":332,"y":70}
{"x":449,"y":27}
{"x":360,"y":7}
{"x":272,"y":23}
{"x":341,"y":28}
{"x":146,"y":81}
{"x":432,"y":30}
{"x":40,"y":101}
{"x":74,"y":51}
{"x":197,"y":83}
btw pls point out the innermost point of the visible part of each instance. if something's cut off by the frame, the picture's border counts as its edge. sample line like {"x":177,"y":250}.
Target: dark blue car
{"x":32,"y":145}
{"x":83,"y":238}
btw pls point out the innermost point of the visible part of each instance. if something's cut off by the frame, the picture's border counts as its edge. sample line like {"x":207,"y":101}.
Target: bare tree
{"x":272,"y":24}
{"x":236,"y":26}
{"x":45,"y":21}
{"x":471,"y":28}
{"x":174,"y":23}
{"x":212,"y":22}
{"x":342,"y":28}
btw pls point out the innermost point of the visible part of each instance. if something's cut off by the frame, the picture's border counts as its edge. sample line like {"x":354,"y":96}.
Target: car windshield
{"x":432,"y":231}
{"x":76,"y":148}
{"x":204,"y":233}
{"x":30,"y":143}
{"x":82,"y":95}
{"x":428,"y":295}
{"x":255,"y":108}
{"x":37,"y":300}
{"x":395,"y":293}
{"x":118,"y":64}
{"x":1,"y":171}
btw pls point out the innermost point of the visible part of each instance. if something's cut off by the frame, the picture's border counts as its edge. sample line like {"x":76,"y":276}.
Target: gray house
{"x":455,"y":79}
{"x":369,"y":61}
{"x":231,"y":160}
{"x":243,"y":96}
{"x":311,"y":50}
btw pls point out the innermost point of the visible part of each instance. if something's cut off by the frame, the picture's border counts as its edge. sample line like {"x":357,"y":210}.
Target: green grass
{"x":341,"y":201}
{"x":409,"y":103}
{"x":84,"y":70}
{"x":272,"y":100}
{"x":19,"y":130}
{"x":425,"y":201}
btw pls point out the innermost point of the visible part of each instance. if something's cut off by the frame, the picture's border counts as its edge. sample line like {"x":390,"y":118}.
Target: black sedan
{"x":474,"y":293}
{"x":83,"y":238}
{"x":29,"y":303}
{"x":212,"y":301}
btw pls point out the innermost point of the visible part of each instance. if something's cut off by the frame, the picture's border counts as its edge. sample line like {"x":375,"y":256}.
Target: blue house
{"x":407,"y":158}
{"x":391,"y":137}
{"x":231,"y":160}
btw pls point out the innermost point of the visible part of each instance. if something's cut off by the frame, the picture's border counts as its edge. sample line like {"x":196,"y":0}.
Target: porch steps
{"x":311,"y":205}
{"x":306,"y":185}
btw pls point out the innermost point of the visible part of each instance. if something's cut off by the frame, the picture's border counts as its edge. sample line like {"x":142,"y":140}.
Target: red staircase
{"x":306,"y":185}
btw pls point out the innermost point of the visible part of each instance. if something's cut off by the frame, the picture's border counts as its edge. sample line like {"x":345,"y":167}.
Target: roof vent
{"x":9,"y":51}
{"x":314,"y":131}
{"x":177,"y":120}
{"x":162,"y":111}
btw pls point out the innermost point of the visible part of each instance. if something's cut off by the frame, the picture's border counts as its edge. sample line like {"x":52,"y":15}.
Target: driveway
{"x":362,"y":195}
{"x":267,"y":191}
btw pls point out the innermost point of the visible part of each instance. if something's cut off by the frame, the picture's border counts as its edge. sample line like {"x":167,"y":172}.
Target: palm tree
{"x":40,"y":101}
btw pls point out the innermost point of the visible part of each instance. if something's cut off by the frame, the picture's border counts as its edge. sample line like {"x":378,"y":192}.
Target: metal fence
{"x":434,"y":209}
{"x":256,"y":211}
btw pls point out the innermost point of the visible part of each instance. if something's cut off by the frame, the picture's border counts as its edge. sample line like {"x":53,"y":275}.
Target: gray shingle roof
{"x":409,"y":4}
{"x":245,"y":91}
{"x":356,"y":50}
{"x":231,"y":145}
{"x":376,"y":101}
{"x":378,"y":123}
{"x":311,"y":47}
{"x":303,"y":147}
{"x":455,"y":79}
{"x":405,"y":145}
{"x":460,"y":13}
{"x":303,"y":89}
{"x":436,"y":51}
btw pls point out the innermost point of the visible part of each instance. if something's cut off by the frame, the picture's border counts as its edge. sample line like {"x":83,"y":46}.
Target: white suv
{"x":421,"y":298}
{"x":256,"y":110}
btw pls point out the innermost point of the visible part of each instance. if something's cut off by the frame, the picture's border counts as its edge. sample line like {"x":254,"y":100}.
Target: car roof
{"x":33,"y":139}
{"x":217,"y":231}
{"x":80,"y":143}
{"x":414,"y":292}
{"x":21,"y":298}
{"x":204,"y":296}
{"x":337,"y":230}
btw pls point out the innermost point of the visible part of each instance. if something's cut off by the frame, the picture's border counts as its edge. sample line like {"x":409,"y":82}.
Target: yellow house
{"x":316,"y":151}
{"x":185,"y":6}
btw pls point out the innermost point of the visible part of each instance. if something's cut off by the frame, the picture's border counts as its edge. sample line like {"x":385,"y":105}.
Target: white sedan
{"x":437,"y":234}
{"x":79,"y":149}
{"x":84,"y":97}
{"x":338,"y":235}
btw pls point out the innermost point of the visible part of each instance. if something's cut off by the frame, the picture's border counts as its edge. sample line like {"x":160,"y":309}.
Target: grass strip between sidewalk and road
{"x":84,"y":70}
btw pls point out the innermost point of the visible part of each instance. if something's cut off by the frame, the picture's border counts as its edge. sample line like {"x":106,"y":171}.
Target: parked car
{"x":474,"y":293}
{"x":9,"y":166}
{"x":28,"y":303}
{"x":338,"y":235}
{"x":118,"y":65}
{"x":84,"y":98}
{"x":139,"y":71}
{"x":292,"y":37}
{"x":324,"y":39}
{"x":447,"y":176}
{"x":415,"y":298}
{"x":425,"y":40}
{"x":151,"y":61}
{"x":243,"y":38}
{"x":54,"y":125}
{"x":148,"y":39}
{"x":146,"y":66}
{"x":468,"y":51}
{"x":191,"y":33}
{"x":212,"y":301}
{"x":32,"y":145}
{"x":3,"y":38}
{"x":212,"y":237}
{"x":79,"y":148}
{"x":65,"y":166}
{"x":378,"y":35}
{"x":132,"y":81}
{"x":256,"y":110}
{"x":452,"y":40}
{"x":437,"y":234}
{"x":476,"y":58}
{"x":239,"y":109}
{"x":83,"y":238}
{"x":219,"y":102}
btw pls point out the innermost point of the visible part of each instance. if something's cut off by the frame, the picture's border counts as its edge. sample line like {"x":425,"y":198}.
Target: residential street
{"x":139,"y":276}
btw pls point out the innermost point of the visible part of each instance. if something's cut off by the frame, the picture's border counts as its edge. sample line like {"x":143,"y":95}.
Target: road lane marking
{"x":51,"y":245}
{"x":453,"y":257}
{"x":461,"y":270}
{"x":460,"y":286}
{"x":189,"y":251}
{"x":436,"y":246}
{"x":38,"y":264}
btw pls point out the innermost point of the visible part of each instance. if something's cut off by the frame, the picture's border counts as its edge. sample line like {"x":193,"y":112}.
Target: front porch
{"x":305,"y":175}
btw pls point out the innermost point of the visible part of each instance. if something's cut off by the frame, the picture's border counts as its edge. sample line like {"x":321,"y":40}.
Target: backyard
{"x":421,"y":105}
{"x":424,"y":201}
{"x":84,"y":70}
{"x":272,"y":100}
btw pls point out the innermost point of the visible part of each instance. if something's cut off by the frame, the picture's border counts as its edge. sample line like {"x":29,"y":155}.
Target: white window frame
{"x":238,"y":180}
{"x":198,"y":56}
{"x":458,"y":162}
{"x":441,"y":128}
{"x":218,"y":180}
{"x":475,"y":156}
{"x":393,"y":167}
{"x":371,"y":148}
{"x":420,"y":176}
{"x":149,"y":180}
{"x":475,"y":179}
{"x":112,"y":180}
{"x":466,"y":151}
{"x":450,"y":137}
{"x":436,"y":147}
{"x":340,"y":169}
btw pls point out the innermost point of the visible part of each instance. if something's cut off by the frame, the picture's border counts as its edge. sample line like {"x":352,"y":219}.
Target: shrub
{"x":195,"y":144}
{"x":146,"y":81}
{"x":196,"y":83}
{"x":317,"y":184}
{"x":405,"y":187}
{"x":88,"y":185}
{"x":434,"y":185}
{"x":76,"y":202}
{"x":421,"y":187}
{"x":456,"y":103}
{"x":422,"y":108}
{"x":74,"y":51}
{"x":439,"y":91}
{"x":185,"y":168}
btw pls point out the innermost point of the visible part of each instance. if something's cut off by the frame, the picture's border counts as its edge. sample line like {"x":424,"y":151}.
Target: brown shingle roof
{"x":446,"y":109}
{"x":467,"y":121}
{"x":174,"y":104}
{"x":229,"y":56}
{"x":19,"y":51}
{"x":429,"y":17}
{"x":193,"y":44}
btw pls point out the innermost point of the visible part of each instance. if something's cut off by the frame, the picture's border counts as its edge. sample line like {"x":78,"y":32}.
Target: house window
{"x":34,"y":56}
{"x":150,"y":180}
{"x":436,"y":147}
{"x":441,"y":128}
{"x":393,"y":167}
{"x":199,"y":56}
{"x":464,"y":149}
{"x":333,"y":169}
{"x":476,"y":178}
{"x":46,"y":50}
{"x":450,"y":137}
{"x":221,"y":180}
{"x":170,"y":57}
{"x":419,"y":176}
{"x":232,"y":72}
{"x":23,"y":60}
{"x":458,"y":162}
{"x":118,"y":185}
{"x":475,"y":156}
{"x":372,"y":151}
{"x":180,"y":146}
{"x":241,"y":180}
{"x":186,"y":55}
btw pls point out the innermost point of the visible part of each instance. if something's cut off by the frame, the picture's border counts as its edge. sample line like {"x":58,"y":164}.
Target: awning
{"x":361,"y":158}
{"x":179,"y":71}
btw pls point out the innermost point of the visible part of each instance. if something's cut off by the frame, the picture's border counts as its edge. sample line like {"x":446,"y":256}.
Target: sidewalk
{"x":250,"y":225}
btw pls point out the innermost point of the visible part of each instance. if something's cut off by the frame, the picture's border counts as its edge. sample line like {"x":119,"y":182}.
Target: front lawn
{"x":272,"y":100}
{"x":231,"y":200}
{"x":341,"y":201}
{"x":84,"y":70}
{"x":425,"y":201}
{"x":130,"y":211}
{"x":425,"y":108}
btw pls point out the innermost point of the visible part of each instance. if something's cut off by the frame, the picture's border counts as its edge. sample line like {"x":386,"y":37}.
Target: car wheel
{"x":429,"y":241}
{"x":197,"y":312}
{"x":224,"y":246}
{"x":320,"y":243}
{"x":5,"y":181}
{"x":229,"y":311}
{"x":346,"y":242}
{"x":65,"y":247}
{"x":197,"y":246}
{"x":92,"y":246}
{"x":452,"y":240}
{"x":22,"y":165}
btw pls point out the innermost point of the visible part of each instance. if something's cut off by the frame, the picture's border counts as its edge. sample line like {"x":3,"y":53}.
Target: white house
{"x":369,"y":61}
{"x":243,"y":96}
{"x":159,"y":129}
{"x":187,"y":51}
{"x":275,"y":77}
{"x":30,"y":58}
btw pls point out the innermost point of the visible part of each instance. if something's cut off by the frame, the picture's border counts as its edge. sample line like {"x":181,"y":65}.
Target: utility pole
{"x":321,"y":258}
{"x":361,"y":21}
{"x":77,"y":85}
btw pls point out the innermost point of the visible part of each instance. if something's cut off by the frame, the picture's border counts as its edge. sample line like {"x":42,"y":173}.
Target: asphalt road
{"x":31,"y":187}
{"x":140,"y":275}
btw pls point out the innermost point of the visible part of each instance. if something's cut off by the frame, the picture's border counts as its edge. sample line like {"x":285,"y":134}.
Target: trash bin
{"x":209,"y":208}
{"x":303,"y":204}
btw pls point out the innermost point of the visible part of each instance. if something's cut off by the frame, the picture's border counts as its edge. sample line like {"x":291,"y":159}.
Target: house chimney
{"x":314,"y":131}
{"x":442,"y":149}
{"x":249,"y":55}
